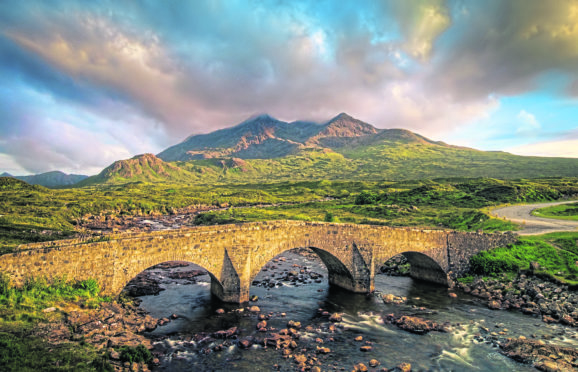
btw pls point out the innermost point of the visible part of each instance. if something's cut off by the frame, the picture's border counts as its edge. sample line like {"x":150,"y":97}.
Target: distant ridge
{"x":49,"y":179}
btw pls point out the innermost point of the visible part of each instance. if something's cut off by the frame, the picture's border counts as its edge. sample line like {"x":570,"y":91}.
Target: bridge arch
{"x":424,"y":267}
{"x":339,"y":273}
{"x":217,"y":287}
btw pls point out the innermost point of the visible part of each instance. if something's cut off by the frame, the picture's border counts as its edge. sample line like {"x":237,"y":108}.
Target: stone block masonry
{"x":234,"y":254}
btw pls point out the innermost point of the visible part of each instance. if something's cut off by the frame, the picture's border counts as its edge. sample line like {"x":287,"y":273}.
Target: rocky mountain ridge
{"x":264,"y":137}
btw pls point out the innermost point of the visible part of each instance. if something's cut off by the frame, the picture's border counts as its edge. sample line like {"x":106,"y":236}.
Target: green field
{"x":35,"y":213}
{"x":560,"y":212}
{"x":556,"y":253}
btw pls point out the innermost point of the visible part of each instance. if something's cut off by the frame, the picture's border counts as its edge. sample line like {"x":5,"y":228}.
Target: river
{"x":457,"y":350}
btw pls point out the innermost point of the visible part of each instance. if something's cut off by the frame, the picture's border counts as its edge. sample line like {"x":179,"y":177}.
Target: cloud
{"x":141,"y":76}
{"x":561,"y":148}
{"x":528,"y":124}
{"x":504,"y":47}
{"x":421,"y":22}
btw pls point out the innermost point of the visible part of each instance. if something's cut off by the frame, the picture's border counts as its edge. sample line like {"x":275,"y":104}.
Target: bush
{"x":484,"y":263}
{"x":89,"y":285}
{"x":366,"y":197}
{"x":135,"y":354}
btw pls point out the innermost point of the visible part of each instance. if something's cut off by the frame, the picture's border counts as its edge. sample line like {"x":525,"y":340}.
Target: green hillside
{"x":264,"y":149}
{"x":385,"y":161}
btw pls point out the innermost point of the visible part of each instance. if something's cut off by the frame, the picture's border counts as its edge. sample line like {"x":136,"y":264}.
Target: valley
{"x":343,"y":171}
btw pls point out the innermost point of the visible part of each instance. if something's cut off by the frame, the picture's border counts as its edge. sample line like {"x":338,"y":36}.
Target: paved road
{"x":532,"y":225}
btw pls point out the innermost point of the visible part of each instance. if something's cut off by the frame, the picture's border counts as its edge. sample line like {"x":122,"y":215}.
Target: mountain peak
{"x":344,"y":125}
{"x":343,"y":116}
{"x":259,"y":119}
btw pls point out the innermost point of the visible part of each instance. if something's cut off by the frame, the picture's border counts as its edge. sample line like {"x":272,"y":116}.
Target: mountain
{"x":49,"y":179}
{"x":264,"y":137}
{"x":145,"y":167}
{"x":265,"y":149}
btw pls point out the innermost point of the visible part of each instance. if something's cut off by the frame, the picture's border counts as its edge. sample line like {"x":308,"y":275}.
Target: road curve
{"x":532,"y":225}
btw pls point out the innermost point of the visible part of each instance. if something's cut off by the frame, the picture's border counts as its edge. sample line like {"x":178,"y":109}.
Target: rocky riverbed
{"x":271,"y":334}
{"x":109,"y":328}
{"x":552,"y":302}
{"x":343,"y":332}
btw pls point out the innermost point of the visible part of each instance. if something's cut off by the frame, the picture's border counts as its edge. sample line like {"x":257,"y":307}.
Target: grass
{"x":556,"y":253}
{"x":560,"y":212}
{"x":22,"y":348}
{"x":27,"y":302}
{"x":387,"y":159}
{"x":34,"y":213}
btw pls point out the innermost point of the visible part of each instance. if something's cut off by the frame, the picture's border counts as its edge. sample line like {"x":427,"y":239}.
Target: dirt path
{"x":532,"y":225}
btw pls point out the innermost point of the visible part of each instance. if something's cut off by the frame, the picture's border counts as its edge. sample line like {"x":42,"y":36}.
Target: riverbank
{"x":552,"y":302}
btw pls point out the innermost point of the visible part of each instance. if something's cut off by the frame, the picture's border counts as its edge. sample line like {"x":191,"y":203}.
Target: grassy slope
{"x":561,"y":212}
{"x":387,"y":159}
{"x":21,"y":346}
{"x":556,"y":253}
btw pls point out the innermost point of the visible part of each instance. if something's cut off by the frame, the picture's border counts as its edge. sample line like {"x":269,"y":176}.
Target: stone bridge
{"x":234,"y":254}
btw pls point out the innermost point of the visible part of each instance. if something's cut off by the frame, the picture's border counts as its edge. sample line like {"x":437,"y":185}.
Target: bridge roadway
{"x":234,"y":254}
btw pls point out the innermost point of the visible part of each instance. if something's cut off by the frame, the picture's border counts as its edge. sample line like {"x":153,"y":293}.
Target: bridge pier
{"x":229,"y":293}
{"x":358,"y":278}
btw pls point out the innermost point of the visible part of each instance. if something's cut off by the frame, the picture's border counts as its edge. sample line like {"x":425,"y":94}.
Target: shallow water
{"x":362,"y":315}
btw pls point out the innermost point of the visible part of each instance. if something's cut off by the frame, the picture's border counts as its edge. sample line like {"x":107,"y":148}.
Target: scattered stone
{"x":336,"y":318}
{"x":543,"y":356}
{"x":403,"y":367}
{"x":246,"y":343}
{"x":415,"y":324}
{"x":453,"y":295}
{"x":229,"y":333}
{"x":391,"y":299}
{"x":254,"y":309}
{"x":358,"y":338}
{"x":293,"y":324}
{"x":163,"y":321}
{"x":374,"y":363}
{"x":300,"y":358}
{"x":494,"y":305}
{"x":366,"y":348}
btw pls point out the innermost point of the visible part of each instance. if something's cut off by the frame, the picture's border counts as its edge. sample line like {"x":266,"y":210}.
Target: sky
{"x":85,"y":83}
